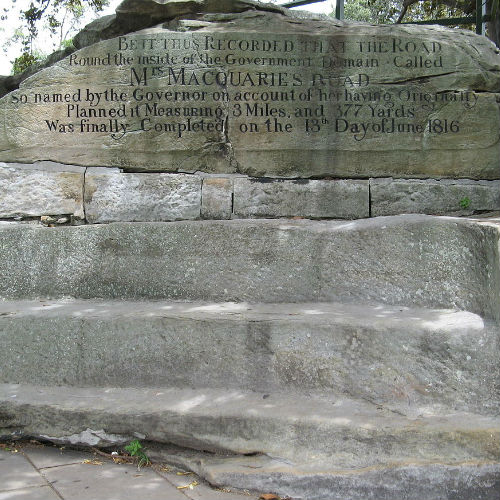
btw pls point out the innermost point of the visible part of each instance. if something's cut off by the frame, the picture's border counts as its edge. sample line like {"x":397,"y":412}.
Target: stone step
{"x":341,"y":433}
{"x":307,"y":447}
{"x":419,"y":261}
{"x":411,"y":480}
{"x":403,"y":357}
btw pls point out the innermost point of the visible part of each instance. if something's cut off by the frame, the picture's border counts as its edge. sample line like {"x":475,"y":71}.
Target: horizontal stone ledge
{"x":41,"y":189}
{"x":48,"y":190}
{"x":114,"y":196}
{"x":434,"y":197}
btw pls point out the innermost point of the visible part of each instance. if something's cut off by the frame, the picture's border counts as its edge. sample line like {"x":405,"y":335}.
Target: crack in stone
{"x":416,"y":79}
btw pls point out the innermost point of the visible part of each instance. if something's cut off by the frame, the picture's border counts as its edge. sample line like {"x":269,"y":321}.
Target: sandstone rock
{"x":111,"y":196}
{"x":422,"y":358}
{"x":4,"y":85}
{"x":430,"y":481}
{"x":41,"y":189}
{"x":347,"y":451}
{"x":101,"y":29}
{"x":281,"y":97}
{"x":418,"y":261}
{"x":217,"y":198}
{"x":435,"y":197}
{"x":134,"y":15}
{"x":12,"y":82}
{"x":343,"y":435}
{"x":340,"y":199}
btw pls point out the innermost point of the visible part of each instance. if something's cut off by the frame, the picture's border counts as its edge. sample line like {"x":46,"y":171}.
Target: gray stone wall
{"x":99,"y":195}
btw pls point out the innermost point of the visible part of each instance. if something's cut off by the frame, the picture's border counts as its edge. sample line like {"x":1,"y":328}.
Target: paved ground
{"x":30,"y":471}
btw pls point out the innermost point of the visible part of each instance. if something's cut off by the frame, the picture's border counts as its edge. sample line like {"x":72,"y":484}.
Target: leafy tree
{"x":59,"y":17}
{"x":372,"y":11}
{"x":397,"y":11}
{"x":25,"y":60}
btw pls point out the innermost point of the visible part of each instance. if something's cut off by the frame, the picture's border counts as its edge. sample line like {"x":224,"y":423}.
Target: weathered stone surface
{"x":111,"y":196}
{"x":4,"y":88}
{"x":415,"y":260}
{"x":468,"y":481}
{"x":280,"y":97}
{"x":100,"y":29}
{"x":217,"y":198}
{"x":403,"y":358}
{"x":41,"y":189}
{"x":134,"y":15}
{"x":12,"y":82}
{"x":337,"y":433}
{"x":340,"y":199}
{"x":446,"y":196}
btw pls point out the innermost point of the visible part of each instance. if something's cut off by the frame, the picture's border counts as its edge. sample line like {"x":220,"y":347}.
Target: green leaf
{"x":465,"y":203}
{"x":134,"y":448}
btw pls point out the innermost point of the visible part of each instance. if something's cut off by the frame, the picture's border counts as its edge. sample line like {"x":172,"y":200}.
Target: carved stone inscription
{"x":263,"y":104}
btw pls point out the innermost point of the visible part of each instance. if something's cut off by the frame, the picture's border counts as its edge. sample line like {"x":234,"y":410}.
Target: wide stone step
{"x":403,"y":357}
{"x":305,"y":447}
{"x":417,"y":261}
{"x":412,"y":480}
{"x":341,"y":433}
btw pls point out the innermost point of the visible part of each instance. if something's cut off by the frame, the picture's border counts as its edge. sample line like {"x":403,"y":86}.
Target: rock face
{"x":254,"y":90}
{"x":135,"y":15}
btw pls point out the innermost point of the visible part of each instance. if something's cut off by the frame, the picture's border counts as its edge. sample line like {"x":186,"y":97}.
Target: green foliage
{"x":50,"y":9}
{"x":135,"y":449}
{"x":59,"y":18}
{"x":24,"y":61}
{"x":67,"y":43}
{"x":373,"y":11}
{"x":388,"y":11}
{"x":433,"y":9}
{"x":465,"y":203}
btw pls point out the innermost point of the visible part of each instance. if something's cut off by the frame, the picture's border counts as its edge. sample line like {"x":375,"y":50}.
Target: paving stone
{"x":16,"y":472}
{"x":110,"y":481}
{"x":48,"y":456}
{"x":35,"y":493}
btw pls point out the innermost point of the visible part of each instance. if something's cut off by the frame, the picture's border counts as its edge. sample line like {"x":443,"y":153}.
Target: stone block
{"x":435,"y":197}
{"x":41,"y":189}
{"x":217,"y":198}
{"x":111,"y":196}
{"x":336,"y":199}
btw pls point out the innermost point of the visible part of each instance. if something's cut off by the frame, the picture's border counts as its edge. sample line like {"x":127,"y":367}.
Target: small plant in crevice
{"x":465,"y":203}
{"x":135,"y":449}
